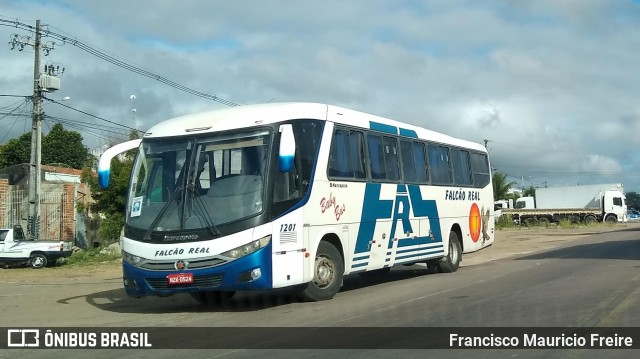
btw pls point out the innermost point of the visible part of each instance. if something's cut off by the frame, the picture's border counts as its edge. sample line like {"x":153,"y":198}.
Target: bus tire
{"x":590,"y":219}
{"x":433,"y":266}
{"x":451,"y":261}
{"x":328,"y":269}
{"x":611,"y":219}
{"x":213,"y":299}
{"x":37,"y":261}
{"x":544,"y":221}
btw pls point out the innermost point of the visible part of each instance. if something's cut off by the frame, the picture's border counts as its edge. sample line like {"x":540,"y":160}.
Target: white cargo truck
{"x":16,"y":249}
{"x":586,"y":203}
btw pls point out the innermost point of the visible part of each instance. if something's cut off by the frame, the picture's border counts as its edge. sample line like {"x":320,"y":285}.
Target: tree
{"x":58,"y":146}
{"x":62,"y":146}
{"x":111,"y":201}
{"x":529,"y":192}
{"x":633,"y":200}
{"x":16,"y":151}
{"x":500,"y":186}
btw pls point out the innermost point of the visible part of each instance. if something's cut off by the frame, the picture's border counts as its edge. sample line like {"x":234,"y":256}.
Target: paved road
{"x":551,"y":279}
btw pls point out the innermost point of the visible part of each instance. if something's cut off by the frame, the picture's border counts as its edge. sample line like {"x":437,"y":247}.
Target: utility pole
{"x":40,"y":83}
{"x":35,"y":163}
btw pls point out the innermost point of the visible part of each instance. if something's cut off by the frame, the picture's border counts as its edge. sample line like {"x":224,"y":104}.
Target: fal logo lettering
{"x":329,"y":203}
{"x":408,"y":200}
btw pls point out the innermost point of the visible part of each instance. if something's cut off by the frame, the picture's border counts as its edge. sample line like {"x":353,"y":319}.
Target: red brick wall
{"x":68,"y":207}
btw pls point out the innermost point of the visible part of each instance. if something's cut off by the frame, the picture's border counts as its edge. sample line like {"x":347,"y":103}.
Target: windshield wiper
{"x":161,"y":214}
{"x":210,"y":225}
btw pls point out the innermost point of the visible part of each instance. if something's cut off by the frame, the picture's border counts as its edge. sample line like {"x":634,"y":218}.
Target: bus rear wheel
{"x":328,"y":270}
{"x":433,"y":266}
{"x":451,"y":262}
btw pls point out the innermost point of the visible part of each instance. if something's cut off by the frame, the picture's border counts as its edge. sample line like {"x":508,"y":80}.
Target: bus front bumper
{"x":252,"y":272}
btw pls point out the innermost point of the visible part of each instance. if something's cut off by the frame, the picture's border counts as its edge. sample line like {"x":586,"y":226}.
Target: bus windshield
{"x":198,"y":183}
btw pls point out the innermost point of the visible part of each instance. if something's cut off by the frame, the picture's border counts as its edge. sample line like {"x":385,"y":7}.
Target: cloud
{"x":552,"y":84}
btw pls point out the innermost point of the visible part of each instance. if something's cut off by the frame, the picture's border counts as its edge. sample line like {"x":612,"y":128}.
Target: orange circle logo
{"x":475,"y":222}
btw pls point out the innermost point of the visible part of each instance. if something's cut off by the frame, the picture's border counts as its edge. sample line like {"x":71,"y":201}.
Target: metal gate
{"x":51,"y":212}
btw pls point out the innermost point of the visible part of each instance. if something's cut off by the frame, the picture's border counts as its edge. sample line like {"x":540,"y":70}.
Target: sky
{"x":553,"y":86}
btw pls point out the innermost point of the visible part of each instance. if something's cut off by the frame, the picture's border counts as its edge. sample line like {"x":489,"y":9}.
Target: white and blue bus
{"x":295,"y":195}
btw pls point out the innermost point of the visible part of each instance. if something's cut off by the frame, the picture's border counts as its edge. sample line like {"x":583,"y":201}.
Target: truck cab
{"x":525,"y":203}
{"x":15,"y":248}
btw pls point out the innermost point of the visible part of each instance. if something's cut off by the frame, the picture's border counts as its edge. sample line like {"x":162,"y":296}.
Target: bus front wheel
{"x":450,"y":263}
{"x":328,"y":269}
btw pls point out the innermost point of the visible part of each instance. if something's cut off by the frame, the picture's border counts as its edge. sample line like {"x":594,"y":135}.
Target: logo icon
{"x":180,"y":265}
{"x":23,"y":338}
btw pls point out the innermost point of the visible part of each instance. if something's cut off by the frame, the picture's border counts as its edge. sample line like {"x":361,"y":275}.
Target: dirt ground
{"x":509,"y":242}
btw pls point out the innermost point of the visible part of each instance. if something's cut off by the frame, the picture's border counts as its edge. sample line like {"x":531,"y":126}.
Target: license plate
{"x":180,"y":278}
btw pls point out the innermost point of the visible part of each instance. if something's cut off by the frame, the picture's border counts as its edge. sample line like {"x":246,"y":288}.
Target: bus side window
{"x":439,"y":164}
{"x":461,"y":167}
{"x":391,"y":158}
{"x":292,"y":186}
{"x":480,"y":169}
{"x":414,"y":164}
{"x":346,"y":159}
{"x":376,"y":156}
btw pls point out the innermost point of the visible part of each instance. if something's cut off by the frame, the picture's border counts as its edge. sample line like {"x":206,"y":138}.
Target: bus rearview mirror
{"x":104,"y":164}
{"x":287,"y":150}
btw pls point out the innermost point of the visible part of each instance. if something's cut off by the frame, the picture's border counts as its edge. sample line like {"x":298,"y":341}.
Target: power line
{"x":22,"y":104}
{"x":92,"y":115}
{"x":113,"y":60}
{"x":94,"y":126}
{"x":84,"y":130}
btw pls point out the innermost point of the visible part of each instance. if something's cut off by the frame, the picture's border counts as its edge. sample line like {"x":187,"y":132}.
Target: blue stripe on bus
{"x":417,"y":249}
{"x":377,"y":126}
{"x":422,"y":241}
{"x":373,"y":209}
{"x":408,"y":133}
{"x":361,"y":258}
{"x":401,"y":189}
{"x":415,"y":255}
{"x":359,"y":265}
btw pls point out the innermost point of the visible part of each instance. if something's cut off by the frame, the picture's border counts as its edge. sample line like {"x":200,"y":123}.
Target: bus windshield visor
{"x":198,"y":183}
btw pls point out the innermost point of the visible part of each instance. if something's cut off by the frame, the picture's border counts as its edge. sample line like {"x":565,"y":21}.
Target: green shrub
{"x":566,"y":223}
{"x":505,"y":222}
{"x":91,"y":257}
{"x":111,"y":227}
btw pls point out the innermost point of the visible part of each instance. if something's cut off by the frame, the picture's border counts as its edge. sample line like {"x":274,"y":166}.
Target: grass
{"x":505,"y":223}
{"x":90,"y":257}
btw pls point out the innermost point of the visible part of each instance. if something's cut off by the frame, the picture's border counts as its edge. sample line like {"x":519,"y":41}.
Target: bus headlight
{"x":132,"y":259}
{"x":248,"y":248}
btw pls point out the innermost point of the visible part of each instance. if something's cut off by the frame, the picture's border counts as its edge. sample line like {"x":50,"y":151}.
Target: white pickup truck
{"x":15,"y":248}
